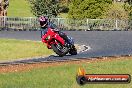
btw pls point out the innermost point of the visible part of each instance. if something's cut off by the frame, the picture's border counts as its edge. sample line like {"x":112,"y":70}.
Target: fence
{"x":31,"y":23}
{"x":18,"y":23}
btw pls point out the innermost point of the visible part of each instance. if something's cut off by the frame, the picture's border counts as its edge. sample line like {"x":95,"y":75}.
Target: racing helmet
{"x":43,"y":19}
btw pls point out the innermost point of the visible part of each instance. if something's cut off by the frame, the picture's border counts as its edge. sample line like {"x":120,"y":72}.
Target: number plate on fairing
{"x":48,"y":37}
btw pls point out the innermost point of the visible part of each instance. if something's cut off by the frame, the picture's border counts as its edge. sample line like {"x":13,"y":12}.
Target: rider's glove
{"x":56,"y":30}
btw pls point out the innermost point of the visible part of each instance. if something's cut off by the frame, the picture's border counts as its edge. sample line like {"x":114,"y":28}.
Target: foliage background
{"x":88,"y":8}
{"x":44,"y":7}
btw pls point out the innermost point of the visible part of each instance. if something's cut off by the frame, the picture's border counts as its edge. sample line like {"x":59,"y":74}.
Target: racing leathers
{"x":44,"y":29}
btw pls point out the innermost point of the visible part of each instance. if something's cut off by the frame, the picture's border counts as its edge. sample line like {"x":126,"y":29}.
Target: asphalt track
{"x":101,"y":43}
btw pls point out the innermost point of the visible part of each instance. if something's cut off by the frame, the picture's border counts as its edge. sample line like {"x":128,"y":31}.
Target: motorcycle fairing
{"x":50,"y":37}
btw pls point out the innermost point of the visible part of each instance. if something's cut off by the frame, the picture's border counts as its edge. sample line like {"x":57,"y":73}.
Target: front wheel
{"x":59,"y":49}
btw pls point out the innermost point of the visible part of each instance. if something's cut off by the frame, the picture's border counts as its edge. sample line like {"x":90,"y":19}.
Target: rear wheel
{"x":59,"y":49}
{"x":73,"y":51}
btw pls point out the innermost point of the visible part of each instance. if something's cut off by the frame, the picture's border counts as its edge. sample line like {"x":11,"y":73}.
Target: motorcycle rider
{"x":45,"y":25}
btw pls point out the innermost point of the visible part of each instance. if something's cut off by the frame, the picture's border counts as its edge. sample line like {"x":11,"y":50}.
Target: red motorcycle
{"x":58,"y":44}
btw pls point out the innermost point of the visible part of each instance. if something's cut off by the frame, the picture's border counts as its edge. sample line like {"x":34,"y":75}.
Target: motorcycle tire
{"x":57,"y":51}
{"x":81,"y":80}
{"x":73,"y":51}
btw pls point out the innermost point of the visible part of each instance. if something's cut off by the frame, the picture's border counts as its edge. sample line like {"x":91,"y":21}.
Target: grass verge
{"x":11,"y":49}
{"x":19,"y":8}
{"x":63,"y":75}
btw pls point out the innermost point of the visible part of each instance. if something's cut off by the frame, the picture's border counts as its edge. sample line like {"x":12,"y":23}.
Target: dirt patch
{"x":28,"y":67}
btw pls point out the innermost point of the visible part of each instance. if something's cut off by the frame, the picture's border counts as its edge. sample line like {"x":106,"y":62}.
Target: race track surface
{"x":102,"y":43}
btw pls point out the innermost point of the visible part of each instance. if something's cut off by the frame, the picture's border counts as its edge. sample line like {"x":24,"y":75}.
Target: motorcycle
{"x":53,"y":41}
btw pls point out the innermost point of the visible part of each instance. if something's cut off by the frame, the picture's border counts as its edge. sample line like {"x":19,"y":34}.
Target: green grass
{"x":19,"y":8}
{"x":64,"y":76}
{"x":11,"y":49}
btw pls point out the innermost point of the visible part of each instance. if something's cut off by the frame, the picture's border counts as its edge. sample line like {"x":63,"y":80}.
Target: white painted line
{"x":83,"y":48}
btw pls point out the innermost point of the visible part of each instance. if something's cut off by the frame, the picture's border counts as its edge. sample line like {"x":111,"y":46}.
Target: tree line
{"x":80,"y":9}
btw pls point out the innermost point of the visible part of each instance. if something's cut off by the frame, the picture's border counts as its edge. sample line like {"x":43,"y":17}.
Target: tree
{"x":64,"y":6}
{"x":117,"y":11}
{"x":88,"y":8}
{"x":129,"y":1}
{"x":3,"y":7}
{"x":44,"y":7}
{"x":130,"y":14}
